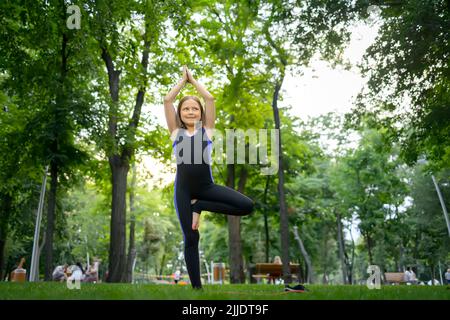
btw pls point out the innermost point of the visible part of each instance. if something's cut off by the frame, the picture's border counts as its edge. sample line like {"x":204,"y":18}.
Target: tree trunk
{"x":310,"y":271}
{"x":174,"y":262}
{"x":301,"y":272}
{"x":341,"y":248}
{"x":241,"y":188}
{"x":54,"y":169}
{"x":369,"y":247}
{"x":234,"y":233}
{"x":325,"y":254}
{"x":432,"y":274}
{"x":117,"y":250}
{"x":350,"y":265}
{"x":284,"y":222}
{"x":402,"y":258}
{"x":266,"y":225}
{"x":131,"y":250}
{"x":132,"y":246}
{"x":120,"y":157}
{"x":119,"y":171}
{"x":163,"y":261}
{"x":5,"y":212}
{"x":282,"y":63}
{"x":50,"y":222}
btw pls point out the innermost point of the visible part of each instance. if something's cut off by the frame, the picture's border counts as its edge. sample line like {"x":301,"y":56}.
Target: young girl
{"x":191,"y":129}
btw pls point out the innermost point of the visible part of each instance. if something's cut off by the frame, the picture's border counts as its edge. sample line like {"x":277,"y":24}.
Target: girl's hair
{"x":180,"y":122}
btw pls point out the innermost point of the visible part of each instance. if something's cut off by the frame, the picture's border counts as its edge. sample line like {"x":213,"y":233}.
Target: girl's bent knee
{"x":249,"y":207}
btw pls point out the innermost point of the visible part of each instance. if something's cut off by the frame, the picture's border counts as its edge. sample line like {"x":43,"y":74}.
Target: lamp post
{"x":34,"y":269}
{"x":441,"y":199}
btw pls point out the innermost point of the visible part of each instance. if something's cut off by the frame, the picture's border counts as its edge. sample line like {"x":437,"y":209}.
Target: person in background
{"x":413,"y":279}
{"x":92,"y":272}
{"x":78,"y":273}
{"x":59,"y":274}
{"x":271,"y":278}
{"x":407,"y":275}
{"x":277,"y":260}
{"x":177,"y":276}
{"x":410,"y":276}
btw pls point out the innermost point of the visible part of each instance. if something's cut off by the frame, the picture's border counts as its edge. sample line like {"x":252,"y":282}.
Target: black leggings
{"x":211,"y":197}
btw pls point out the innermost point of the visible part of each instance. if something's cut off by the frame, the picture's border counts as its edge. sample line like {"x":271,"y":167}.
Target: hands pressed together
{"x":187,"y":75}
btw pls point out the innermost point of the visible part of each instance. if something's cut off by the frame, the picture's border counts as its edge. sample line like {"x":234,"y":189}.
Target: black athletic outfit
{"x":194,"y":181}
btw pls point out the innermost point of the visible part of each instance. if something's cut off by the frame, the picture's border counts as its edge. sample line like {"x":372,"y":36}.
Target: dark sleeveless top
{"x":193,"y":156}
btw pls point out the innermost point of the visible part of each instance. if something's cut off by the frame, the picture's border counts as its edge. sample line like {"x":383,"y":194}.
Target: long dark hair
{"x":202,"y":111}
{"x":81,"y":267}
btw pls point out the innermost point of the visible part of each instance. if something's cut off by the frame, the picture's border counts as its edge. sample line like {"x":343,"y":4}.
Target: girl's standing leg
{"x":182,"y":201}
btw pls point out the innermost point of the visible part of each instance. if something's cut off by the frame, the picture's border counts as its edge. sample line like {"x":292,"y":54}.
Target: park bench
{"x":273,"y":271}
{"x":394,"y":277}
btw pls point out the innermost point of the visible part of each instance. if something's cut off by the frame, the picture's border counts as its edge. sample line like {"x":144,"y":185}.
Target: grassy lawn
{"x":51,"y":291}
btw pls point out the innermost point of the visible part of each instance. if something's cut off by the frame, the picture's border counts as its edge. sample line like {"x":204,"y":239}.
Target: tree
{"x":126,"y":71}
{"x":429,"y":236}
{"x":56,"y":109}
{"x":409,"y":62}
{"x":293,"y":32}
{"x":370,"y":185}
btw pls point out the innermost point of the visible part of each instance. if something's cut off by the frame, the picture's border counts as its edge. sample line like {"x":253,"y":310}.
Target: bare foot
{"x":195,"y":220}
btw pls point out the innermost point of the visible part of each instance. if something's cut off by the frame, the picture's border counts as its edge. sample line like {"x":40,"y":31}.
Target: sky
{"x":322,"y":89}
{"x":319,"y":90}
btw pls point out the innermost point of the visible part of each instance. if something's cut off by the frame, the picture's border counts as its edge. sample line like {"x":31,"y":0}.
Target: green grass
{"x":57,"y":291}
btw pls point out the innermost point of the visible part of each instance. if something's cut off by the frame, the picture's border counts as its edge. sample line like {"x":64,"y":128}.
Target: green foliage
{"x":407,"y":67}
{"x":429,"y":234}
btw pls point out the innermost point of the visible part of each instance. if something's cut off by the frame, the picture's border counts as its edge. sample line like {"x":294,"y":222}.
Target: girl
{"x":191,"y":129}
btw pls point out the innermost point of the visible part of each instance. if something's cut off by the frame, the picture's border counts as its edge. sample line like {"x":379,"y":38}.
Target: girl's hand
{"x":185,"y":75}
{"x":190,"y":77}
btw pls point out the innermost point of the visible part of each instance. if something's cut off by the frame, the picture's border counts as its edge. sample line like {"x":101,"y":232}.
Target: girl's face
{"x":190,"y":112}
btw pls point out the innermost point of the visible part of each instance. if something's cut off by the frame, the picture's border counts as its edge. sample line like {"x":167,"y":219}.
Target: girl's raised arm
{"x":210,"y":108}
{"x":169,"y":109}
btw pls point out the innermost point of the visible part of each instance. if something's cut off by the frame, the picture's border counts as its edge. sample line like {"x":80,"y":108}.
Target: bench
{"x":394,"y":277}
{"x":273,"y":271}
